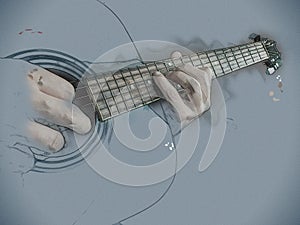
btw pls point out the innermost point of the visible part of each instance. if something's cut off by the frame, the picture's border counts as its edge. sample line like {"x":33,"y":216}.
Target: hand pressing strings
{"x":196,"y":83}
{"x":52,"y":97}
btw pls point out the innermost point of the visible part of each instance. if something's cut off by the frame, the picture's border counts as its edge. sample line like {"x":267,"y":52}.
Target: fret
{"x":237,"y":66}
{"x":129,"y":101}
{"x":177,"y":62}
{"x":216,"y":54}
{"x":230,"y":59}
{"x":257,"y":53}
{"x":251,"y":54}
{"x":119,"y":80}
{"x":159,"y":66}
{"x":181,"y":61}
{"x":111,"y":101}
{"x":211,"y":66}
{"x":131,"y":88}
{"x":239,"y":57}
{"x":223,"y":61}
{"x":166,"y":63}
{"x":190,"y":60}
{"x":186,"y":59}
{"x":156,"y":68}
{"x":118,"y":95}
{"x":229,"y":67}
{"x":151,"y":67}
{"x":204,"y":60}
{"x":169,"y":65}
{"x":216,"y":63}
{"x":150,"y":84}
{"x":196,"y":60}
{"x":135,"y":92}
{"x":243,"y":50}
{"x":95,"y":96}
{"x":148,"y":95}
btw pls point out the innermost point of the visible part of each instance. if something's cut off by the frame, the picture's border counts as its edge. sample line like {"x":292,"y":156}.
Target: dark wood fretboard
{"x":132,"y":87}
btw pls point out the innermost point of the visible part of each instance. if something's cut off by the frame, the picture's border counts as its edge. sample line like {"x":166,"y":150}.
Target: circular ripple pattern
{"x":71,"y":69}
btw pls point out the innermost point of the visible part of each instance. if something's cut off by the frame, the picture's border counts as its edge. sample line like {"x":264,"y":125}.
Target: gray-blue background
{"x":255,"y":178}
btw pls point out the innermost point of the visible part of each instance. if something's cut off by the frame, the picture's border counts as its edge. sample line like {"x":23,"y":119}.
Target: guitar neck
{"x":130,"y":88}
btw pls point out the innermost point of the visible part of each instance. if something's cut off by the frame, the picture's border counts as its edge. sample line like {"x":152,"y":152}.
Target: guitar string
{"x":256,"y":49}
{"x":143,"y":81}
{"x":208,"y":64}
{"x":129,"y":92}
{"x":240,"y":55}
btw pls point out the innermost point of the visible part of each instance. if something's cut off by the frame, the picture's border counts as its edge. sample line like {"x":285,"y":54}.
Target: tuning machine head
{"x":274,"y":61}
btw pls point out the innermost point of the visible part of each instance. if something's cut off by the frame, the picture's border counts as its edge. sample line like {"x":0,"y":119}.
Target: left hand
{"x":196,"y":83}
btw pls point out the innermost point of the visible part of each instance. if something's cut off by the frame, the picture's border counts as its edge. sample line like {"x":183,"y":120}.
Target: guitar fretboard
{"x":130,"y":88}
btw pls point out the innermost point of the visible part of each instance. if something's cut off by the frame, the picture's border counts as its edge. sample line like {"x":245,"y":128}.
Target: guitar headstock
{"x":274,"y":61}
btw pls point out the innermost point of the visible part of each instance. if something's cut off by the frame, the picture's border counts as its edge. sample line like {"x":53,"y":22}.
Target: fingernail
{"x":57,"y":143}
{"x":85,"y":126}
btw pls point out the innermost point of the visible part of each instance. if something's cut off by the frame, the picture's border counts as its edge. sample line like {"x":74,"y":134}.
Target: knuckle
{"x":57,"y":142}
{"x":67,"y":118}
{"x":69,"y":91}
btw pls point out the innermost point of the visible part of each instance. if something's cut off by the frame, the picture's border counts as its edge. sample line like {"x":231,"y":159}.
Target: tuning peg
{"x":254,"y":37}
{"x":270,"y":70}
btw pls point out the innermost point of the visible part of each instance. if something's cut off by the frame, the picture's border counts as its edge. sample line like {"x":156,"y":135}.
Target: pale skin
{"x":52,"y":96}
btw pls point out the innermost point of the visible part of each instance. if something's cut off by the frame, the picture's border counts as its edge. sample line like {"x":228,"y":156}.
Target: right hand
{"x":51,"y":97}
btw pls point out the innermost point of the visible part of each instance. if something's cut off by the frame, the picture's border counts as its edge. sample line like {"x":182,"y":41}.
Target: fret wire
{"x":139,"y":84}
{"x":129,"y":90}
{"x":113,"y":97}
{"x":242,"y":55}
{"x":261,"y":50}
{"x":219,"y":61}
{"x":254,"y":53}
{"x":103,"y":97}
{"x":211,"y":64}
{"x":227,"y":59}
{"x":257,"y":52}
{"x":144,"y":82}
{"x":191,"y":60}
{"x":181,"y":60}
{"x":165,"y":64}
{"x":156,"y":66}
{"x":150,"y":75}
{"x":150,"y":67}
{"x":235,"y":58}
{"x":197,"y":59}
{"x":250,"y":54}
{"x":200,"y":59}
{"x":212,"y":61}
{"x":173,"y":63}
{"x":120,"y":92}
{"x":136,"y":86}
{"x":258,"y":49}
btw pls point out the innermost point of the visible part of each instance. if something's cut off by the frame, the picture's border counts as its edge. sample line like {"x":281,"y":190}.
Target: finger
{"x":191,"y":86}
{"x":171,"y":95}
{"x":52,"y":84}
{"x":45,"y":136}
{"x":176,"y":54}
{"x":203,"y":76}
{"x":60,"y":112}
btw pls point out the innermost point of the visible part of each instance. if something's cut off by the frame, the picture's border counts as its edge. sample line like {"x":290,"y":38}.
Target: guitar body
{"x":152,"y":125}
